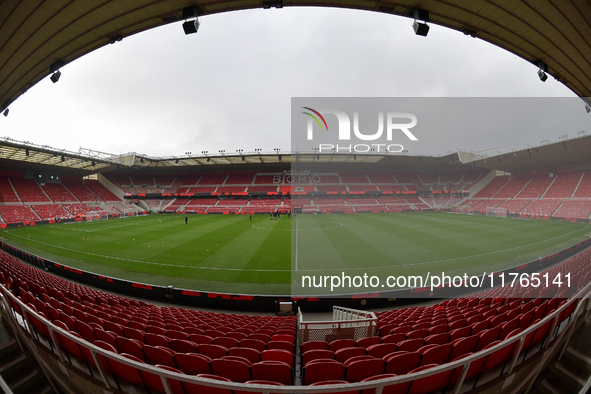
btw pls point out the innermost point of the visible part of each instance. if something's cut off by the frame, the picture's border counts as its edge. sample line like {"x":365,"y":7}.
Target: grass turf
{"x":228,"y":253}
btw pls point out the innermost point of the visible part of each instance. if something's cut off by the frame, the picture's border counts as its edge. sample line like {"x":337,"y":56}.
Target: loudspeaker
{"x":421,"y":29}
{"x":191,"y":27}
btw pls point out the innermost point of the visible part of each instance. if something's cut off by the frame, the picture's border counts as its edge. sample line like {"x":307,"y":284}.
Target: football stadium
{"x":304,"y":271}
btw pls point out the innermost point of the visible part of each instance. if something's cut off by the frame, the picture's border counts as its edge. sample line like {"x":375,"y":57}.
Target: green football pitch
{"x":230,"y":253}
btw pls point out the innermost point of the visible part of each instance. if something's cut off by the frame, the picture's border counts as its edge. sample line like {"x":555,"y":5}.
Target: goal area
{"x":97,"y":215}
{"x":496,"y":212}
{"x":465,"y":209}
{"x":127,"y":212}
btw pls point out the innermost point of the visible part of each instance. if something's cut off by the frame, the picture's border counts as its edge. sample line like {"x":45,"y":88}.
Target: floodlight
{"x":55,"y":76}
{"x":191,"y":27}
{"x":587,"y":108}
{"x":543,"y":69}
{"x":6,"y":111}
{"x":421,"y":29}
{"x":420,"y":24}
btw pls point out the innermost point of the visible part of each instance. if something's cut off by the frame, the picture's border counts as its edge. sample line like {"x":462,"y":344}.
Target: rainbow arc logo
{"x":315,"y":118}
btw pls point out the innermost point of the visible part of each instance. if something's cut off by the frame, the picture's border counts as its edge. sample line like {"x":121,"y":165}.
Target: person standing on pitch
{"x":186,"y":220}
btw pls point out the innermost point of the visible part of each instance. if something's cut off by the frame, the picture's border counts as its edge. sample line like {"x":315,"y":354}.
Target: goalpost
{"x":97,"y":215}
{"x":496,"y":212}
{"x":465,"y":209}
{"x":128,"y":212}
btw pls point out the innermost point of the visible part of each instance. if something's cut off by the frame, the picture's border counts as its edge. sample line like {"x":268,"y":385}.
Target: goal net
{"x":466,"y":209}
{"x":496,"y":212}
{"x":128,"y":212}
{"x":97,"y":215}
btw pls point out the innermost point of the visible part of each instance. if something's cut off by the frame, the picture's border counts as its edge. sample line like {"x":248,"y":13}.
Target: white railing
{"x":346,"y":323}
{"x":583,"y":296}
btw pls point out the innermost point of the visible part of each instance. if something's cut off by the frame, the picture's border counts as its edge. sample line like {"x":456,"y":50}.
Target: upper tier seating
{"x":7,"y":193}
{"x":28,"y":190}
{"x":58,"y":193}
{"x":80,"y":191}
{"x":564,"y":185}
{"x":535,"y":188}
{"x":102,"y":192}
{"x":584,"y":188}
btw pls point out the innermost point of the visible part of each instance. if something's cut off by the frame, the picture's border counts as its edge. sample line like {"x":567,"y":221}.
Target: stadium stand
{"x":241,"y":348}
{"x":51,"y":211}
{"x":17,"y":214}
{"x":7,"y":193}
{"x":574,"y":209}
{"x":28,"y":190}
{"x":564,"y":185}
{"x":58,"y":193}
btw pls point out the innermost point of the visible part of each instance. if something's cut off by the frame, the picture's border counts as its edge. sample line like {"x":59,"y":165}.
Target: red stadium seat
{"x":321,"y":371}
{"x":193,"y":363}
{"x":276,"y":371}
{"x":362,"y":369}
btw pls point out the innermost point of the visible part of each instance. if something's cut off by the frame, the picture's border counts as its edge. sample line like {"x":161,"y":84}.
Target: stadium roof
{"x":38,"y":36}
{"x":566,"y":151}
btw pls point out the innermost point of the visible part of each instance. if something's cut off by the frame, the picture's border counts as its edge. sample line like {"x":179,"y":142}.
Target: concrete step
{"x":581,"y":359}
{"x":549,"y":383}
{"x":569,"y":373}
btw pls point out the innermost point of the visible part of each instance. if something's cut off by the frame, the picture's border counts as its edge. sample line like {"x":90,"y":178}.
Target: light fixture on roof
{"x":542,"y":70}
{"x":222,"y":151}
{"x":54,"y":69}
{"x":258,"y":150}
{"x":587,"y":108}
{"x":5,"y":113}
{"x":191,"y":25}
{"x":420,"y":25}
{"x":55,"y":76}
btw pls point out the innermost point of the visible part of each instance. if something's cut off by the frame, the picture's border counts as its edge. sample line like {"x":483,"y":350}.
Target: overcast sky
{"x":230,"y":85}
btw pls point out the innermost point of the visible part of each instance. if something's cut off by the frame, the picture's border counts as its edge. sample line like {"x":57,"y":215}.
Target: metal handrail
{"x":584,"y":293}
{"x":4,"y":386}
